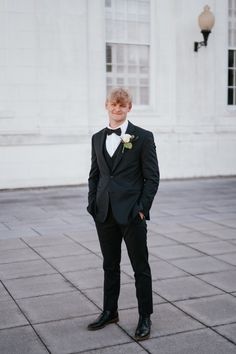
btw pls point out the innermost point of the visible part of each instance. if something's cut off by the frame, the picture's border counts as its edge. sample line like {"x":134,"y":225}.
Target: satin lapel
{"x":130,"y":130}
{"x":102,"y":143}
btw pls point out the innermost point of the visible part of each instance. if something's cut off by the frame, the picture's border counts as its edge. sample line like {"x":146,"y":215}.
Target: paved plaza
{"x":51,"y":273}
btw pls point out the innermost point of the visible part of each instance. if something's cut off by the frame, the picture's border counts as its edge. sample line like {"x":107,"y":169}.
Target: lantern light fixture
{"x":206,"y":21}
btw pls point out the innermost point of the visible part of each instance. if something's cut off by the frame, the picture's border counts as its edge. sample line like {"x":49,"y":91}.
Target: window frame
{"x":231,"y":48}
{"x":136,"y":107}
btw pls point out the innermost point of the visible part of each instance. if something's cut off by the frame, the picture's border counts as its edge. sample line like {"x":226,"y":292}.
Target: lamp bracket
{"x":198,"y":45}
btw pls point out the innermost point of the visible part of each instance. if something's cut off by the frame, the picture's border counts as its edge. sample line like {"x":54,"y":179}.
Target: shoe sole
{"x":139,"y":339}
{"x":114,"y":320}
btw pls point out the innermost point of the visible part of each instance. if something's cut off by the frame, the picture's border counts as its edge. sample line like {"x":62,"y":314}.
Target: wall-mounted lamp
{"x":206,"y":21}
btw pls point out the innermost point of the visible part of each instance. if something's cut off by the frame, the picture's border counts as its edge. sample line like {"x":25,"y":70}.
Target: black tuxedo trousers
{"x":134,"y":234}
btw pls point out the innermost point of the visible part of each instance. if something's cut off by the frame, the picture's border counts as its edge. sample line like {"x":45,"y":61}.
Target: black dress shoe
{"x":104,"y":319}
{"x":144,"y":328}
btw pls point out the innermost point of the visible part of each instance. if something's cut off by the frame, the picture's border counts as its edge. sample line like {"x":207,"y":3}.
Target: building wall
{"x":52,"y":91}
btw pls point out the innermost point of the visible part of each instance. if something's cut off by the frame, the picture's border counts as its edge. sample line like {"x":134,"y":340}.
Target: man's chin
{"x":118,"y":118}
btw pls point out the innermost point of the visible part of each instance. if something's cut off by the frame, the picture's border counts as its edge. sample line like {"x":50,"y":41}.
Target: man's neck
{"x":115,"y":125}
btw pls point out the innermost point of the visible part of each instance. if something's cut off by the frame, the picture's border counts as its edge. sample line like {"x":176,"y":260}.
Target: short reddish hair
{"x":119,"y":95}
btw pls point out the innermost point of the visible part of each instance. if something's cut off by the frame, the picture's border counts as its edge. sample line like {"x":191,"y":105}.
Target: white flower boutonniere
{"x":127,"y":141}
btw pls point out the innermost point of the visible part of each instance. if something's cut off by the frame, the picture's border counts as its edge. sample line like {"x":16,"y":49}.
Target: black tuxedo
{"x":119,"y":187}
{"x":132,"y":182}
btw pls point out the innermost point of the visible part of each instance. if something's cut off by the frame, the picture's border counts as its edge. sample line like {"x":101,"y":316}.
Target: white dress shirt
{"x":113,"y":140}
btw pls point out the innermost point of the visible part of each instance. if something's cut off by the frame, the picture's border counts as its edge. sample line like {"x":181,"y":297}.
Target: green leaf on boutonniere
{"x":128,"y":145}
{"x":127,"y":140}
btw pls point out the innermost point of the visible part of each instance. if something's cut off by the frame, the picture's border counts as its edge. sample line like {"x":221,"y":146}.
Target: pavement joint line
{"x":214,"y":286}
{"x":203,"y":254}
{"x":107,"y":347}
{"x":195,"y":319}
{"x":5,"y":224}
{"x":190,"y":298}
{"x":197,"y":275}
{"x":16,"y":326}
{"x":214,"y":238}
{"x":84,"y":294}
{"x":25,"y":316}
{"x":35,"y":231}
{"x":67,"y":280}
{"x":198,"y":297}
{"x":47,"y":294}
{"x":211,"y":202}
{"x":29,"y":276}
{"x":219,"y":224}
{"x":64,"y":319}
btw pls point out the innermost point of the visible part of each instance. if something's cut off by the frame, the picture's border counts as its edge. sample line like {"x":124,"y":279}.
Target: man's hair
{"x":119,"y":95}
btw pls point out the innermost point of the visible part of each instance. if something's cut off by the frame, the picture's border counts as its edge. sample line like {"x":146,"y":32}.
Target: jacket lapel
{"x":130,"y":130}
{"x":101,"y":147}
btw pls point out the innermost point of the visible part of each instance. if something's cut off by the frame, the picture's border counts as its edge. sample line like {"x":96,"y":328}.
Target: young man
{"x":123,"y":181}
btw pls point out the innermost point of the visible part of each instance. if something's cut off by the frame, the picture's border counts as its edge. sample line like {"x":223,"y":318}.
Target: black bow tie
{"x":116,"y":131}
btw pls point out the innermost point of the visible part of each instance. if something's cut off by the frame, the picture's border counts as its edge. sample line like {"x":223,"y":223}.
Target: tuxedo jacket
{"x":132,"y":182}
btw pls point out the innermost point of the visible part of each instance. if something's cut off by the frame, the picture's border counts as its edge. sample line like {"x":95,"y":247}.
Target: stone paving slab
{"x":40,"y":241}
{"x":174,"y":252}
{"x":36,"y":286}
{"x":76,"y":263}
{"x":21,"y":340}
{"x":67,"y":336}
{"x":56,"y":307}
{"x":225,"y":234}
{"x":228,"y":258}
{"x":3,"y":293}
{"x":203,"y":341}
{"x":17,"y":255}
{"x":160,"y":270}
{"x":223,"y":280}
{"x":25,"y":269}
{"x":190,"y":237}
{"x":155,"y":239}
{"x":183,"y":288}
{"x":228,"y":331}
{"x":130,"y":348}
{"x":12,"y":234}
{"x":166,"y":319}
{"x":202,"y":226}
{"x":82,"y":236}
{"x":91,"y":278}
{"x":212,"y":311}
{"x":55,"y":251}
{"x":51,"y":274}
{"x":201,"y":265}
{"x":10,"y":315}
{"x":214,"y":248}
{"x":11,"y":244}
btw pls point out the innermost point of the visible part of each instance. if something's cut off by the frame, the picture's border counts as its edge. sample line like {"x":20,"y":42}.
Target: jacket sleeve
{"x":151,"y":175}
{"x":93,"y":181}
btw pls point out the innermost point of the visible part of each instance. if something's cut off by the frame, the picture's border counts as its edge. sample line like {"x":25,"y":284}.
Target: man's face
{"x":117,"y":112}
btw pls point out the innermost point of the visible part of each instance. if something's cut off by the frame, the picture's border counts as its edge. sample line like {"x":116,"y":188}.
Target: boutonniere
{"x":127,"y":141}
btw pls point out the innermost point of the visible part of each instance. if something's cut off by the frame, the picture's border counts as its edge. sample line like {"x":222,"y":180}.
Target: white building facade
{"x":59,"y":57}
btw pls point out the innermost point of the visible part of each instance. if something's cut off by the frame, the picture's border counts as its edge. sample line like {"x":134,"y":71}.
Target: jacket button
{"x":111,"y":176}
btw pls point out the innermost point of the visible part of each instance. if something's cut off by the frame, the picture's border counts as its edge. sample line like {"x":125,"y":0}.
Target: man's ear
{"x":106,"y":103}
{"x":130,"y":106}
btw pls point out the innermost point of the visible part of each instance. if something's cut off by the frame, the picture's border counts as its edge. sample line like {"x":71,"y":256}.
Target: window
{"x":128,"y":47}
{"x":232,"y":53}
